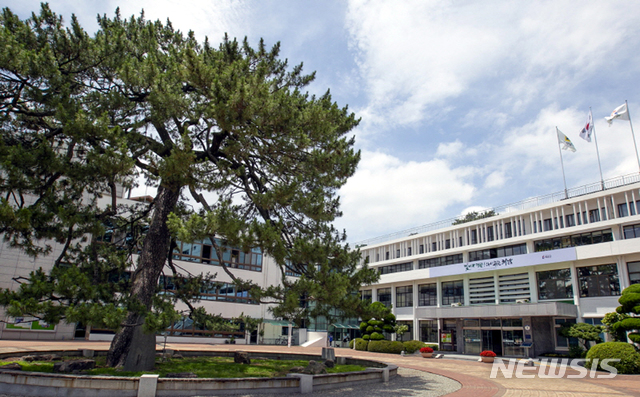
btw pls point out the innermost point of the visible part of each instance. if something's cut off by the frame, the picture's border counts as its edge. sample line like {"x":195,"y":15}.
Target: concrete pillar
{"x":147,"y":385}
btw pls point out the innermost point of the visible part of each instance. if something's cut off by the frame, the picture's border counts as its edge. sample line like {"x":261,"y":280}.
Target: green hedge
{"x":629,"y":359}
{"x":412,"y":346}
{"x":385,"y":346}
{"x":361,"y":344}
{"x":434,"y":346}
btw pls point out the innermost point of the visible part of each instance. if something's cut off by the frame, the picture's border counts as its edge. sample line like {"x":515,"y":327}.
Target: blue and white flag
{"x":621,"y":112}
{"x":565,"y":141}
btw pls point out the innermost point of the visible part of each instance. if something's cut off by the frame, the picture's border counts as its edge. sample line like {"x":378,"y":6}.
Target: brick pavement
{"x":472,"y":375}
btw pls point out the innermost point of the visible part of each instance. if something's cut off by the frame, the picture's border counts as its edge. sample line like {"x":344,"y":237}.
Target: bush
{"x":576,"y":351}
{"x":366,"y":337}
{"x":388,"y":328}
{"x":385,"y":346}
{"x":629,"y":359}
{"x":363,"y":326}
{"x":377,"y":329}
{"x":369,"y":329}
{"x":377,"y":336}
{"x":361,"y":344}
{"x":413,"y":346}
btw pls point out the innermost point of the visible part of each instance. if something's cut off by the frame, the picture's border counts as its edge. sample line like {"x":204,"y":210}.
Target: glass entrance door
{"x":492,"y":340}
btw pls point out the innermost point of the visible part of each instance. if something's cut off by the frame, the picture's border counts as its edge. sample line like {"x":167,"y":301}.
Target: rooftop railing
{"x":518,"y":206}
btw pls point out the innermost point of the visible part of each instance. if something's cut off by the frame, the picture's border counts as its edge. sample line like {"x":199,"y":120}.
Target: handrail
{"x":518,"y":206}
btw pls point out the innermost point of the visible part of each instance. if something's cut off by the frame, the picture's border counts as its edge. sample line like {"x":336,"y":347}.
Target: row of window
{"x":223,"y":292}
{"x":203,"y":252}
{"x":401,"y":267}
{"x":575,"y":240}
{"x":593,"y":281}
{"x":440,"y":261}
{"x":490,"y":253}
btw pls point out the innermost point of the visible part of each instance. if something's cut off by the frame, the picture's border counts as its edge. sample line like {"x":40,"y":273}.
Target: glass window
{"x":623,"y":210}
{"x":452,"y":292}
{"x":632,"y":231}
{"x":634,"y":272}
{"x":599,"y":281}
{"x":570,"y":220}
{"x":547,"y":225}
{"x":594,"y":216}
{"x":422,"y":248}
{"x":366,"y":295}
{"x":427,"y":295}
{"x":384,"y":296}
{"x":555,"y":284}
{"x":404,"y":296}
{"x":429,"y":331}
{"x":409,"y":251}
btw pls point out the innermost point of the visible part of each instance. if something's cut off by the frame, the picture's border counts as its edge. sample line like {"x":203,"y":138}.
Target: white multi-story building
{"x":508,"y":282}
{"x":189,"y":258}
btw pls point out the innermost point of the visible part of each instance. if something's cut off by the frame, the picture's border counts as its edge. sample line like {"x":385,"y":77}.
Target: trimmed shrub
{"x":385,"y":346}
{"x":629,"y":359}
{"x":370,"y":329}
{"x":412,"y":346}
{"x":363,"y":326}
{"x":388,"y":328}
{"x":366,"y":337}
{"x":361,"y":344}
{"x":377,"y":329}
{"x":377,"y":336}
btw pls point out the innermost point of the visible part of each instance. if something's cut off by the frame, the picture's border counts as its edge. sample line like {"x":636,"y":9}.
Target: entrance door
{"x":492,"y":340}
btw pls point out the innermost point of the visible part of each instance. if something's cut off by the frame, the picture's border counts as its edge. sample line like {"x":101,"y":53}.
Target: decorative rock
{"x":315,"y":368}
{"x":241,"y":358}
{"x":181,"y":375}
{"x":72,"y":366}
{"x":12,"y":366}
{"x":329,"y":364}
{"x":28,"y":358}
{"x":177,"y":355}
{"x":296,"y":370}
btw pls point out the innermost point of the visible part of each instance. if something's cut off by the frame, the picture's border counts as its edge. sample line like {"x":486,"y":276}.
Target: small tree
{"x":584,"y":332}
{"x":629,"y":306}
{"x":377,"y":319}
{"x":473,"y":216}
{"x":609,"y":320}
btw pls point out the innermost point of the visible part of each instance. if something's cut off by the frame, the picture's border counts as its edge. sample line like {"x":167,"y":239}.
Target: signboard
{"x":445,"y":337}
{"x":29,"y":324}
{"x":536,"y":258}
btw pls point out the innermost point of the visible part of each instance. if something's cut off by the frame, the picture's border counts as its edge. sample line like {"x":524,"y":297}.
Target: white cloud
{"x":387,"y":194}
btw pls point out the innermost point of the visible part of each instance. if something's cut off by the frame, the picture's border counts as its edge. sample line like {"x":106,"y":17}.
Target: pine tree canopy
{"x":230,"y":127}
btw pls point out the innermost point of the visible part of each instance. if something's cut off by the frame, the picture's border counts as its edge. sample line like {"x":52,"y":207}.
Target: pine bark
{"x":132,"y":348}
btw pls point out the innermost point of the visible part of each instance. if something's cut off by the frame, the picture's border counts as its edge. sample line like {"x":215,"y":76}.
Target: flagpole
{"x":566,"y":195}
{"x":595,"y":138}
{"x":632,"y":134}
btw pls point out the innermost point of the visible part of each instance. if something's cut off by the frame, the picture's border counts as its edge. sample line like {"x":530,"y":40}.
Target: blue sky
{"x":459,"y":100}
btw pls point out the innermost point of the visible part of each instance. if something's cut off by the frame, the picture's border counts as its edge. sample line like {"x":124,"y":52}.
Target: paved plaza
{"x":473,"y":376}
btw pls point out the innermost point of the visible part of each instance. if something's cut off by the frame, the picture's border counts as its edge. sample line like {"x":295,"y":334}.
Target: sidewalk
{"x":472,"y":375}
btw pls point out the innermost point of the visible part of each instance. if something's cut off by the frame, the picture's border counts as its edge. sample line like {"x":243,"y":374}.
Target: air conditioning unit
{"x":456,"y":304}
{"x":522,"y":301}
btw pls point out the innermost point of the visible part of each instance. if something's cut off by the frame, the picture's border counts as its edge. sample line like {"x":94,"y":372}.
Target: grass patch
{"x":204,"y":367}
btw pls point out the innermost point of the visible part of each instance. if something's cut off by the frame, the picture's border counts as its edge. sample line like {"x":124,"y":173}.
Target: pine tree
{"x":82,"y":116}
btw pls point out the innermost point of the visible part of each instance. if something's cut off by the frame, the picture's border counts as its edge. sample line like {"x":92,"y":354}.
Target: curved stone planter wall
{"x":43,"y":384}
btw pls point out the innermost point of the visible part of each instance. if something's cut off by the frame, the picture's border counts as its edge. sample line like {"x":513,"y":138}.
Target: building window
{"x":429,"y":331}
{"x":404,"y":296}
{"x":202,"y":251}
{"x":366,"y":295}
{"x":386,"y":256}
{"x":384,"y":296}
{"x":400,"y":267}
{"x":408,"y":335}
{"x":555,"y":284}
{"x":409,"y":251}
{"x":599,"y":281}
{"x":600,"y":236}
{"x":489,"y":233}
{"x":428,"y":295}
{"x":377,"y":257}
{"x":397,"y":253}
{"x":507,"y":230}
{"x":634,"y":272}
{"x":547,"y":225}
{"x":434,"y":247}
{"x":623,"y":210}
{"x":594,"y":216}
{"x":422,"y":248}
{"x":632,"y":231}
{"x":563,"y":343}
{"x":570,"y":220}
{"x":491,"y":253}
{"x":222,"y":292}
{"x":452,"y":292}
{"x":474,"y":236}
{"x":440,"y":261}
{"x":447,"y":244}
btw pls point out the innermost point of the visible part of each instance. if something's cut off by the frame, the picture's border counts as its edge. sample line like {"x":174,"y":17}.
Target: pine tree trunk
{"x":131,"y":348}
